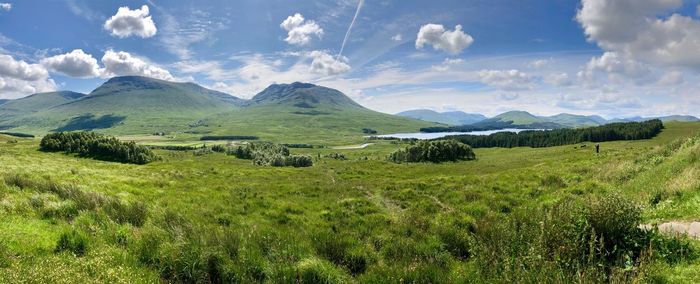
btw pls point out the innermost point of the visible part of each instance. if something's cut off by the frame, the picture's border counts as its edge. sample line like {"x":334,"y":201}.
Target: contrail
{"x":347,"y":34}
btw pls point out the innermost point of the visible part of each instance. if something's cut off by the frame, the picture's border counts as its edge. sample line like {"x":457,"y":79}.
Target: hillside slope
{"x":130,"y":105}
{"x":35,"y":103}
{"x":449,"y":118}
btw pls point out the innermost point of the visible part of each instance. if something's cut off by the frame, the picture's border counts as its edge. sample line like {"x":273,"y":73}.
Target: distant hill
{"x":2,"y":101}
{"x":140,"y":105}
{"x":130,"y":104}
{"x":680,"y":118}
{"x":35,"y":103}
{"x":301,"y":111}
{"x":449,"y":118}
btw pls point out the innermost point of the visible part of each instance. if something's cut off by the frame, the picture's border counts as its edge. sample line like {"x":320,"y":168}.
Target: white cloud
{"x":452,"y":42}
{"x":672,"y":78}
{"x":75,"y":64}
{"x":447,"y":63}
{"x":632,"y":28}
{"x":299,"y":30}
{"x":6,"y":6}
{"x":324,"y":63}
{"x":397,"y":37}
{"x":509,"y":96}
{"x":129,"y":22}
{"x":123,"y":63}
{"x":558,"y":79}
{"x":614,"y":65}
{"x":19,"y":78}
{"x":539,"y":63}
{"x":509,"y":80}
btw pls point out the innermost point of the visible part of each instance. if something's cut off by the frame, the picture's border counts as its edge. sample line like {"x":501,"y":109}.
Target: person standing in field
{"x":597,"y":148}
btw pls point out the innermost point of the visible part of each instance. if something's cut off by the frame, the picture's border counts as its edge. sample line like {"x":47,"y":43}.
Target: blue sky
{"x":615,"y":58}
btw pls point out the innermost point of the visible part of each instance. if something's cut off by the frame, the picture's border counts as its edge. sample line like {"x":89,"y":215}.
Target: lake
{"x":423,"y":136}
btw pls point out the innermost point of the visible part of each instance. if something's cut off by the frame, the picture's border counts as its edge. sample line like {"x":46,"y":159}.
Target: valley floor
{"x":363,"y":219}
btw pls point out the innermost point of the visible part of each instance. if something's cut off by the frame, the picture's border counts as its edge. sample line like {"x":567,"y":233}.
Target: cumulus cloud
{"x":452,"y":42}
{"x":123,"y":63}
{"x":632,"y":28}
{"x":324,"y":63}
{"x":558,"y":79}
{"x":19,"y":78}
{"x":6,"y":6}
{"x":299,"y":30}
{"x":75,"y":64}
{"x":509,"y":96}
{"x":127,"y":22}
{"x":615,"y":66}
{"x":539,"y":63}
{"x":397,"y":37}
{"x":508,"y":80}
{"x":447,"y":64}
{"x":672,"y":78}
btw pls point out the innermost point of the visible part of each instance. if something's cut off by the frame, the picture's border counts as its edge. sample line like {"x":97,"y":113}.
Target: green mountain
{"x":573,"y":120}
{"x":306,"y":112}
{"x":35,"y":103}
{"x":449,"y":118}
{"x":134,"y":105}
{"x":517,"y":117}
{"x":131,"y":105}
{"x":669,"y":118}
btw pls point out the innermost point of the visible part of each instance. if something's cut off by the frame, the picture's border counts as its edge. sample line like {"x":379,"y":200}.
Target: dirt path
{"x":350,"y":147}
{"x":692,"y":229}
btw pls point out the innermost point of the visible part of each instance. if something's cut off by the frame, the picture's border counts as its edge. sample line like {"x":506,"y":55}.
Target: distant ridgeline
{"x":558,"y":137}
{"x":93,"y":145}
{"x":491,"y":125}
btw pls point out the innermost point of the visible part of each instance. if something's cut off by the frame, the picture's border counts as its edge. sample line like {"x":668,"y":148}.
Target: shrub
{"x":337,"y":156}
{"x":313,"y":270}
{"x":93,"y":145}
{"x":72,"y":241}
{"x":134,"y":213}
{"x":269,"y":154}
{"x":433,"y":151}
{"x":218,"y":148}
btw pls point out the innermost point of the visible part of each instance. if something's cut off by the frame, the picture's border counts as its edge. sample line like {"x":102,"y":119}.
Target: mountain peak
{"x":303,"y":95}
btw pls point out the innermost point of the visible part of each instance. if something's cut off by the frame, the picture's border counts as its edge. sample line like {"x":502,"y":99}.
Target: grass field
{"x":364,"y":219}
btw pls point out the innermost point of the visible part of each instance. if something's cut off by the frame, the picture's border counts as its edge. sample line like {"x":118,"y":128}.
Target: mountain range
{"x":133,"y":105}
{"x":524,"y":119}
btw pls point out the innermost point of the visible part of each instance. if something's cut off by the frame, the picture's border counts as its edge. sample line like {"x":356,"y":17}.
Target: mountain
{"x":306,"y":112}
{"x":35,"y":103}
{"x":302,"y":95}
{"x":669,"y":118}
{"x":2,"y":101}
{"x":131,"y":104}
{"x":573,"y":120}
{"x":517,"y":117}
{"x":449,"y":118}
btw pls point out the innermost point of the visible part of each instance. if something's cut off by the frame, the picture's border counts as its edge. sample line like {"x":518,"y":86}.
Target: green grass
{"x":363,"y":219}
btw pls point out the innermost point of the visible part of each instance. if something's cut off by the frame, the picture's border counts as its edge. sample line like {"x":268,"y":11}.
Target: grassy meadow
{"x":214,"y":218}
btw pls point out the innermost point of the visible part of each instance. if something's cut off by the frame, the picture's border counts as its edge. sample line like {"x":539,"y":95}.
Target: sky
{"x":615,"y":58}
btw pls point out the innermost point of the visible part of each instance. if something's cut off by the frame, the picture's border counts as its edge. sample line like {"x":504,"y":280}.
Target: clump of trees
{"x":97,"y":146}
{"x":270,"y":154}
{"x":228,"y":137}
{"x":369,"y":131}
{"x":558,"y":137}
{"x":433,"y":151}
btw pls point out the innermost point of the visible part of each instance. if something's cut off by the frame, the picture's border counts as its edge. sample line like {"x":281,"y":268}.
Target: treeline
{"x":433,"y":151}
{"x":17,"y":134}
{"x":270,"y":154}
{"x":558,"y":137}
{"x":490,"y":125}
{"x":228,"y":137}
{"x":93,"y":145}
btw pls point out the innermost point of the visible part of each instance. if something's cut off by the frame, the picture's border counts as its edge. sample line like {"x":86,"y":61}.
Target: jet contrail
{"x":347,"y":34}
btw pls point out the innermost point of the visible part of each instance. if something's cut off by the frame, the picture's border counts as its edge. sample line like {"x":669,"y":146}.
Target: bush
{"x":433,"y":151}
{"x":269,"y":154}
{"x":218,"y":148}
{"x":316,"y":271}
{"x":72,"y":241}
{"x":93,"y":145}
{"x":134,"y":213}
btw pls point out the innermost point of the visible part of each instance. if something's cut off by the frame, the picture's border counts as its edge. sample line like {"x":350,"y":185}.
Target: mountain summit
{"x":303,"y":95}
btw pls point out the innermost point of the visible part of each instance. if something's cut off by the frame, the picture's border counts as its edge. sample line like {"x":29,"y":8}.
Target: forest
{"x":93,"y":145}
{"x":557,"y":137}
{"x":433,"y":151}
